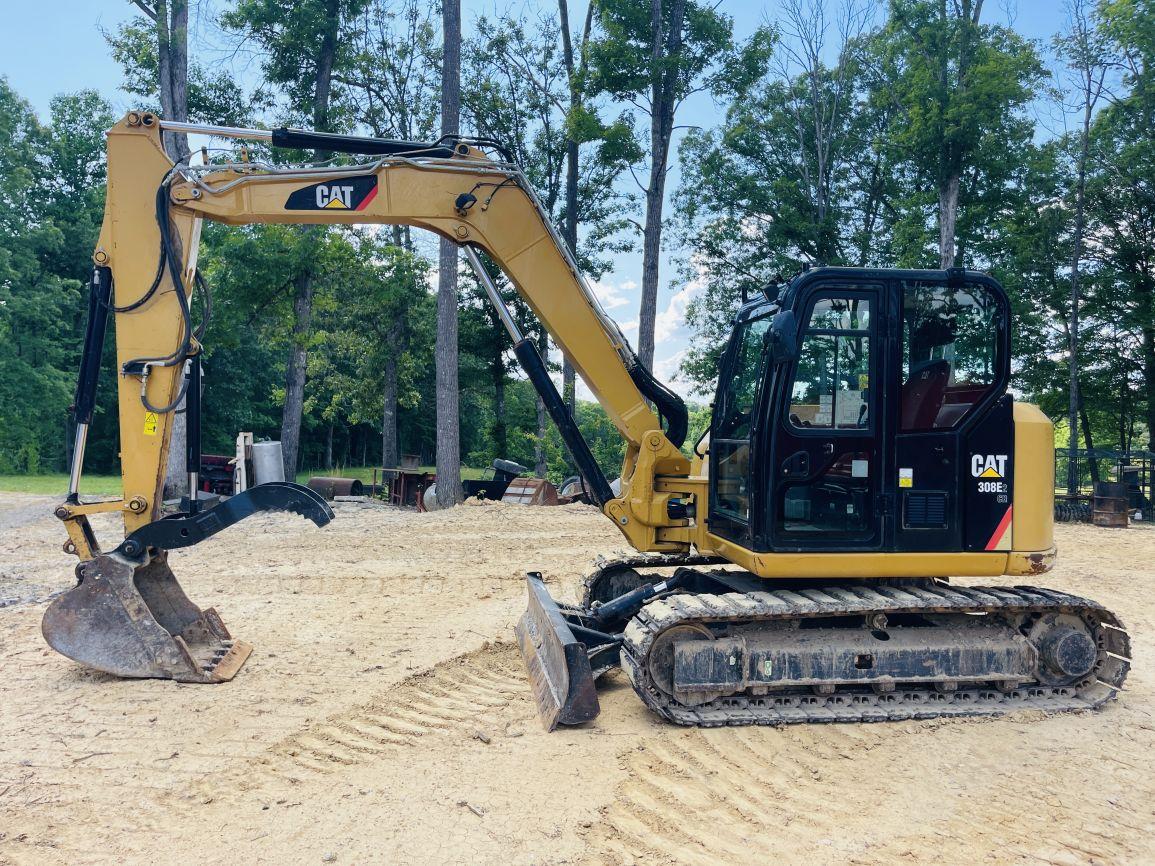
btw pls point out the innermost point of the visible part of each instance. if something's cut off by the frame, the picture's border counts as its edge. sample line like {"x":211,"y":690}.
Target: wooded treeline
{"x":918,"y":133}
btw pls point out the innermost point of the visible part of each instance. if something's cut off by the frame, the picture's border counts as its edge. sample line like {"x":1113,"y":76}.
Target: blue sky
{"x":51,"y":48}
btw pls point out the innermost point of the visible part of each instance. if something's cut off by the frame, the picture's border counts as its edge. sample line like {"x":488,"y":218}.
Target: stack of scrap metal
{"x":530,"y":491}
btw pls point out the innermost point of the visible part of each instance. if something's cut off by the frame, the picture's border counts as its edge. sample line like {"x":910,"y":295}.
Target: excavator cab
{"x":845,"y":407}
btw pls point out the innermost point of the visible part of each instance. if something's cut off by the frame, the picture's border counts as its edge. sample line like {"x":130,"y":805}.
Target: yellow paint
{"x":990,"y":473}
{"x":1033,"y":520}
{"x":860,"y":565}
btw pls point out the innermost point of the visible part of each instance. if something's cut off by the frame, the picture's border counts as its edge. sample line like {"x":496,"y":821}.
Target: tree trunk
{"x":541,"y":463}
{"x":322,"y":92}
{"x":172,"y":52}
{"x":952,"y":160}
{"x":500,"y":428}
{"x":651,"y":249}
{"x":569,"y":230}
{"x":1076,"y":399}
{"x":390,"y":453}
{"x":568,"y":377}
{"x":947,"y":213}
{"x":329,"y":447}
{"x":295,"y":375}
{"x":664,"y":62}
{"x":398,"y":338}
{"x":303,"y":301}
{"x":1085,"y":422}
{"x":448,"y":421}
{"x":1149,"y":383}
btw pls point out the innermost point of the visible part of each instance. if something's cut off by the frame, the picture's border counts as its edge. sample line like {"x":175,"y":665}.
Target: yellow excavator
{"x":794,"y":565}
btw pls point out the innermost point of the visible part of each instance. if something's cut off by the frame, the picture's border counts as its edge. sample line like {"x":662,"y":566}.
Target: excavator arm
{"x":146,"y":277}
{"x":454,"y":190}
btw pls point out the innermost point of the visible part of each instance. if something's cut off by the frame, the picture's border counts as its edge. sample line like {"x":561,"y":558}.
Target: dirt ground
{"x":384,"y":717}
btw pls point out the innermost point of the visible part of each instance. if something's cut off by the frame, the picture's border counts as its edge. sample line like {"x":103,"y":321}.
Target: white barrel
{"x":268,"y":465}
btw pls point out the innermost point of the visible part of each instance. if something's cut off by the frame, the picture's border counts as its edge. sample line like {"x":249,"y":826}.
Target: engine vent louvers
{"x":925,"y":510}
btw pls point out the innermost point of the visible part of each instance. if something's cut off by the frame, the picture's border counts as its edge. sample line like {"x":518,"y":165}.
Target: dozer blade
{"x":557,"y":662}
{"x":128,"y":616}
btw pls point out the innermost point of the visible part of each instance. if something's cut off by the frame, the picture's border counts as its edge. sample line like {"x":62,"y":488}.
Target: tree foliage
{"x":842,"y":137}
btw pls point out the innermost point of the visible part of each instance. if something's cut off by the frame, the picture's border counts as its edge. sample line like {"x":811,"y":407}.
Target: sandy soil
{"x":384,"y":717}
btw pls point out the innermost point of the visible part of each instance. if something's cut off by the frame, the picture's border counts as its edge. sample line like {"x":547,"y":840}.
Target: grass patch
{"x":56,"y":484}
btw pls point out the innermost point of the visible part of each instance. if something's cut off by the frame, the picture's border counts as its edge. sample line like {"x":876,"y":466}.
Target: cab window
{"x":950,"y":352}
{"x":831,"y":385}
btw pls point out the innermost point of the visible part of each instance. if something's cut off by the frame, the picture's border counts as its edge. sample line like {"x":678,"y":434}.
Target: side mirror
{"x":783,"y":337}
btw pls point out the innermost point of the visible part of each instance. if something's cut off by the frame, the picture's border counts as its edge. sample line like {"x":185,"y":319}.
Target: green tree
{"x":653,"y":55}
{"x":373,"y":335}
{"x":1120,"y":198}
{"x":960,"y":83}
{"x":51,"y":197}
{"x":214,"y":96}
{"x":303,"y":43}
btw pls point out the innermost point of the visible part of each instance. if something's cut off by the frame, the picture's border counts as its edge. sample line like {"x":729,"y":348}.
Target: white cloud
{"x":671,"y":322}
{"x":611,"y":295}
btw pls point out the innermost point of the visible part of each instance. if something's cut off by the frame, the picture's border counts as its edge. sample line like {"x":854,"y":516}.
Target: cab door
{"x":826,"y":463}
{"x":736,"y":429}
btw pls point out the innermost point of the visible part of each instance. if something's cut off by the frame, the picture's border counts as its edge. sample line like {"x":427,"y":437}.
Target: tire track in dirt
{"x":457,"y":697}
{"x":736,"y":796}
{"x":722,"y":796}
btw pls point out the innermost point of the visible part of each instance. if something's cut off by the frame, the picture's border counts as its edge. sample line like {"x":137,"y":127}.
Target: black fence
{"x":1136,"y":469}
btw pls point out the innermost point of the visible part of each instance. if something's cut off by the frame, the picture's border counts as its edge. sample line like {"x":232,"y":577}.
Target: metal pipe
{"x":84,"y":403}
{"x":535,"y":368}
{"x":192,"y":417}
{"x":608,"y":323}
{"x":538,"y":374}
{"x":77,"y":461}
{"x":486,"y":281}
{"x":222,"y":131}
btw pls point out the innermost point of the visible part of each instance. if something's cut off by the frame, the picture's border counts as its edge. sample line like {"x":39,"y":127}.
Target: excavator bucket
{"x":136,"y":621}
{"x":130,"y":617}
{"x":557,"y":661}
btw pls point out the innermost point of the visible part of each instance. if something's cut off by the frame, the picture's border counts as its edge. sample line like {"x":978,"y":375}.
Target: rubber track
{"x":902,"y":704}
